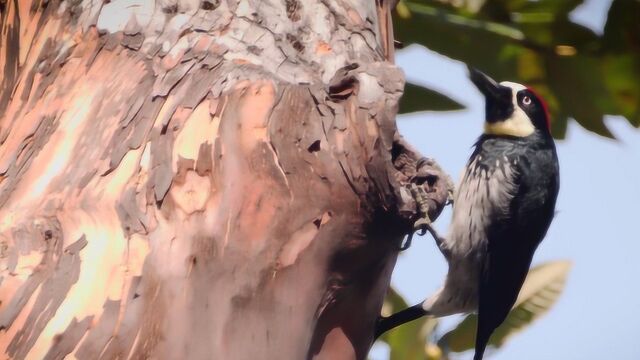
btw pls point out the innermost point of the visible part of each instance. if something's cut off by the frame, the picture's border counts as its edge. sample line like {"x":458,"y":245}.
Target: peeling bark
{"x":197,"y":179}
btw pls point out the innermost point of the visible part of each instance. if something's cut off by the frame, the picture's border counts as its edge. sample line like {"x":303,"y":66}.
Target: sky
{"x":596,"y":227}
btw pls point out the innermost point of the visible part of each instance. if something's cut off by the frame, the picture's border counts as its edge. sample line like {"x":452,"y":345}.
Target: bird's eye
{"x":526,"y":100}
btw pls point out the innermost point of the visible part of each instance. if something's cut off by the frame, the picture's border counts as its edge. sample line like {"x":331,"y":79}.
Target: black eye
{"x":526,"y":100}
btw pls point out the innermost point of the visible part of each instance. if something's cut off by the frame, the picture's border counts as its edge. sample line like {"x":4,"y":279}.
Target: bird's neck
{"x":536,"y":138}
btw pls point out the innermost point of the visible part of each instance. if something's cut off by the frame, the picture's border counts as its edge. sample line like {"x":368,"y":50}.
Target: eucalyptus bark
{"x":200,"y":179}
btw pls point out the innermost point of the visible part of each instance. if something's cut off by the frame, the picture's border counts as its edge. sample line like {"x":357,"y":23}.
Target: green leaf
{"x":418,"y":98}
{"x":621,"y":74}
{"x":406,"y":342}
{"x":541,"y":290}
{"x":556,"y":8}
{"x":622,"y":30}
{"x":583,"y":97}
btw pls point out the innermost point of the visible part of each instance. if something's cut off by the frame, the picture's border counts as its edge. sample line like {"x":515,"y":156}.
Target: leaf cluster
{"x":581,"y":74}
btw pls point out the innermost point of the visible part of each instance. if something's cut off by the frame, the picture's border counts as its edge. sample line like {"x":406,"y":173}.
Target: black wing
{"x":512,"y":242}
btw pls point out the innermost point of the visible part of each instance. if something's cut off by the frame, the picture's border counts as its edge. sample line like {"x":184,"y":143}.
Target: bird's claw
{"x":423,"y":224}
{"x":406,"y":243}
{"x":424,"y":221}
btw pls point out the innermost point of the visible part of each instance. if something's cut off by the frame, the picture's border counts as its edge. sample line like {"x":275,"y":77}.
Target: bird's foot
{"x":423,"y":224}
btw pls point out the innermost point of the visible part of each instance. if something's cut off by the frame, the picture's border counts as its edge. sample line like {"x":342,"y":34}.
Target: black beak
{"x":499,"y":105}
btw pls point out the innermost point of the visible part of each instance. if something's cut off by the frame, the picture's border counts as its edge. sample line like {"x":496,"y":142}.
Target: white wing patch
{"x":482,"y":195}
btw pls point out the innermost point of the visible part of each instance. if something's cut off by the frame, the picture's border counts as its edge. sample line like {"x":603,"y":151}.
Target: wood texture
{"x":199,"y":179}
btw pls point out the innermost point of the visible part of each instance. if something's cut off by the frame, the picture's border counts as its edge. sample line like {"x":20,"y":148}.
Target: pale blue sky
{"x":596,"y":226}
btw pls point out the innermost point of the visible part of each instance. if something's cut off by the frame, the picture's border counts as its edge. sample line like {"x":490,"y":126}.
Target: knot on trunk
{"x":412,"y":168}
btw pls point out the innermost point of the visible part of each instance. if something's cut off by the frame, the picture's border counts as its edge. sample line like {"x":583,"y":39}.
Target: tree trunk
{"x":200,"y":179}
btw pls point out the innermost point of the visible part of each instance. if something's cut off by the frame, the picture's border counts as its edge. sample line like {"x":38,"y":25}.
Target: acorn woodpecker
{"x":502,"y":210}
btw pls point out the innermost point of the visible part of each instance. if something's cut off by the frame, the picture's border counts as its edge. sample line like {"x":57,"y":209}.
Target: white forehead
{"x":515,"y":86}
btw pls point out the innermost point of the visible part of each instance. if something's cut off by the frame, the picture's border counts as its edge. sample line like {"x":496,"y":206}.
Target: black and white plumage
{"x":503,"y":207}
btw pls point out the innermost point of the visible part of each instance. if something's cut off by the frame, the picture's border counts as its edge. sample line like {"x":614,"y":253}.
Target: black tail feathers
{"x":483,"y":333}
{"x":404,"y":316}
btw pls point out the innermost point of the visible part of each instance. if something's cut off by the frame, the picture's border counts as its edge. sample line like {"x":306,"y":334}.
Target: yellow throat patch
{"x":519,"y":126}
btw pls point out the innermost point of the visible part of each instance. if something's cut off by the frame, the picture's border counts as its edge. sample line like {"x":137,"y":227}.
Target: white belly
{"x":459,"y":293}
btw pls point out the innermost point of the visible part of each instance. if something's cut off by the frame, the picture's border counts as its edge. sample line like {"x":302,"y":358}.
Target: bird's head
{"x":511,"y":109}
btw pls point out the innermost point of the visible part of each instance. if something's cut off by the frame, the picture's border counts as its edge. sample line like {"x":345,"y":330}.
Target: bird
{"x":502,"y":209}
